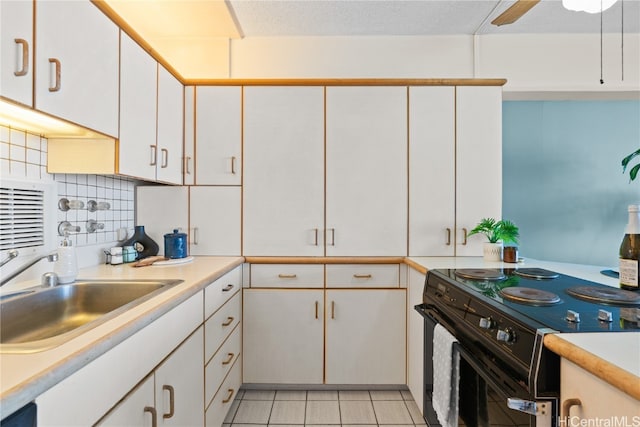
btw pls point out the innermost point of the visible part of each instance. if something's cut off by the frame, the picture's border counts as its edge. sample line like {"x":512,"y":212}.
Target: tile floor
{"x":361,"y":408}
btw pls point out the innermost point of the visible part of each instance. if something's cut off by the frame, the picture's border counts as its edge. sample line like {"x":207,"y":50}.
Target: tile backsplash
{"x":23,"y":155}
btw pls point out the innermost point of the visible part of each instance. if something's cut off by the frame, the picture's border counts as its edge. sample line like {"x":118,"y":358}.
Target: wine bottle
{"x":630,"y":252}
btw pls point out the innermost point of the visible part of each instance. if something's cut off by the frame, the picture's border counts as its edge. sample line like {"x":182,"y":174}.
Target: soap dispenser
{"x":67,"y":265}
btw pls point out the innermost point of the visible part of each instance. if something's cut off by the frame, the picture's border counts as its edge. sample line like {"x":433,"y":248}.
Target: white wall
{"x":538,"y":63}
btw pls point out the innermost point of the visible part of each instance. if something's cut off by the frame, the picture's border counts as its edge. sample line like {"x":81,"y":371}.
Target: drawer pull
{"x":58,"y":74}
{"x":230,"y":357}
{"x":317,"y":309}
{"x":154,"y":415}
{"x":566,"y":408}
{"x":362,"y":276}
{"x":227,"y":288}
{"x":448,"y":236}
{"x":165,"y":157}
{"x":464,"y":241}
{"x":229,"y":396}
{"x":228,"y":321}
{"x":233,"y":165}
{"x":333,"y":309}
{"x":287,"y":276}
{"x":154,"y":155}
{"x":25,"y":58}
{"x":172,"y":405}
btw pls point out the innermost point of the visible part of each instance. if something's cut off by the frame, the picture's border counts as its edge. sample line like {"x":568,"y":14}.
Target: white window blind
{"x":21,"y":218}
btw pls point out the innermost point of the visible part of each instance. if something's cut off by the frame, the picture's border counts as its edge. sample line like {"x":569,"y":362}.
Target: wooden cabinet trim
{"x":346,"y":82}
{"x":325,"y":260}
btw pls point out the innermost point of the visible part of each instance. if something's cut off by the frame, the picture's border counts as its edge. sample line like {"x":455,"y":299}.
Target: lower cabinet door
{"x":135,"y":410}
{"x":283,"y":336}
{"x":180,"y":384}
{"x":366,"y":337}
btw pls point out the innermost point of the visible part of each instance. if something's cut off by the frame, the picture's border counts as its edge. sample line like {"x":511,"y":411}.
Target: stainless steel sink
{"x":48,"y":317}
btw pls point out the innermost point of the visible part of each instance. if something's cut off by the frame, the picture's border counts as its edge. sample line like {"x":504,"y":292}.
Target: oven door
{"x":482,"y":400}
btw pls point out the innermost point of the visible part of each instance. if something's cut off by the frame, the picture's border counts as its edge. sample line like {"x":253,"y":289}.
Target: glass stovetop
{"x":624,"y":318}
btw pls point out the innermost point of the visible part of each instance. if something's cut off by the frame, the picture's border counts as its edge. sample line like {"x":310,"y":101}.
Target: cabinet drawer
{"x":220,"y":325}
{"x":363,"y":276}
{"x":287,"y":276}
{"x":221,"y":290}
{"x":222,"y":401}
{"x":221,"y":363}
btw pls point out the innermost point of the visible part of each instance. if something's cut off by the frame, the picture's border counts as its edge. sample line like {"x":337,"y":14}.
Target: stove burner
{"x":529,"y":296}
{"x":479,"y":274}
{"x":536,"y":273}
{"x":605,"y":295}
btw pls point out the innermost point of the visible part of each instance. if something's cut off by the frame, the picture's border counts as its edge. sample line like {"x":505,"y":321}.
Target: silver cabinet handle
{"x":154,"y":155}
{"x":154,"y":415}
{"x":57,"y":75}
{"x":448,"y":236}
{"x":187,"y":160}
{"x":165,"y":157}
{"x":333,"y":236}
{"x":25,"y":58}
{"x":171,"y":401}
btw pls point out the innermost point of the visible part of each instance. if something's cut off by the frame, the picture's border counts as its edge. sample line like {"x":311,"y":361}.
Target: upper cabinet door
{"x":16,"y":47}
{"x":431,"y":171}
{"x":478,"y":162}
{"x":138,"y":155}
{"x":366,"y":171}
{"x":170,"y":128}
{"x":219,"y":135}
{"x":283,"y":185}
{"x":77,"y":64}
{"x":188,"y":153}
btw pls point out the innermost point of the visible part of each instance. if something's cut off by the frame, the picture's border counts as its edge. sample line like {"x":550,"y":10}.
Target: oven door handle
{"x":542,"y":410}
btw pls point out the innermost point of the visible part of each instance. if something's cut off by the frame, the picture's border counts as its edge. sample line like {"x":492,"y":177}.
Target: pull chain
{"x":622,"y":40}
{"x":601,"y":79}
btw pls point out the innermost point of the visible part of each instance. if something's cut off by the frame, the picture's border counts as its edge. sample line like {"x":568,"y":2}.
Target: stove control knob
{"x":573,"y":316}
{"x":486,"y":323}
{"x":507,"y":335}
{"x":605,"y":316}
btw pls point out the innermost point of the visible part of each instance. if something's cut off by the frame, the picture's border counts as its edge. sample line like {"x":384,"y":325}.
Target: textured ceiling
{"x":269,"y":18}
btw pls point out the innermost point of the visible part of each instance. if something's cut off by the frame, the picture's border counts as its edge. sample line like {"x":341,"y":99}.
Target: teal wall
{"x":562,"y":180}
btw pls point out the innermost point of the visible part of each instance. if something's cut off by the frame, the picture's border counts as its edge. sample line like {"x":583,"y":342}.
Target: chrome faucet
{"x":50,"y":257}
{"x":10,"y":255}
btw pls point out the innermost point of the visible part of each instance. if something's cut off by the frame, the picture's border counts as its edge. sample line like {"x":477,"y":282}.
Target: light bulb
{"x":589,"y":6}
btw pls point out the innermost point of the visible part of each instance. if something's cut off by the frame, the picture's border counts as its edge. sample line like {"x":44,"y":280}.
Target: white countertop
{"x":621,"y":349}
{"x":25,"y":376}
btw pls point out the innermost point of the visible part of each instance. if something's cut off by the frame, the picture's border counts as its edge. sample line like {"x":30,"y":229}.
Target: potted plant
{"x":633,"y":172}
{"x":498,"y":233}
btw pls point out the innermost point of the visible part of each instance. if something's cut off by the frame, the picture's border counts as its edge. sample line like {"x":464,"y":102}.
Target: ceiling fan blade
{"x":514,"y":13}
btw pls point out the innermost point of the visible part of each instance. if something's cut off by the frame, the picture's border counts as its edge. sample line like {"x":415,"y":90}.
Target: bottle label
{"x":629,"y":272}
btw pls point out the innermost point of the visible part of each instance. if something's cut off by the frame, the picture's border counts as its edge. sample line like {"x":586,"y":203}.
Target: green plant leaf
{"x":633,"y":173}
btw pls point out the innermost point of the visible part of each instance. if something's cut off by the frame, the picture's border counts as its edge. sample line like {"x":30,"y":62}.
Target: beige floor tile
{"x":357,"y":412}
{"x":287,"y":412}
{"x":392,"y":412}
{"x":357,"y":425}
{"x":253,"y":412}
{"x":322,"y":412}
{"x":414,"y":411}
{"x":291,"y":395}
{"x":248,"y":425}
{"x":232,"y":411}
{"x":354,"y":395}
{"x":259,"y":395}
{"x":322,"y":395}
{"x":386,"y":395}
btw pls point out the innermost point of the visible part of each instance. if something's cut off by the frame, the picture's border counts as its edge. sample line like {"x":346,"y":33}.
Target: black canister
{"x":175,"y":245}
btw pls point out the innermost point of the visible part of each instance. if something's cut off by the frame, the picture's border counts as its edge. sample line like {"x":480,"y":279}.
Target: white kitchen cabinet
{"x":16,"y":51}
{"x":223,"y":400}
{"x":415,"y":337}
{"x":76,"y":64}
{"x":137,"y":154}
{"x":366,"y":194}
{"x":215,"y":220}
{"x":283,"y":336}
{"x":188,"y":154}
{"x":170,"y":127}
{"x":218,"y":135}
{"x":177,"y":385}
{"x":599,"y":400}
{"x":211,"y":214}
{"x":284,"y":171}
{"x":455,"y":171}
{"x":478,"y":162}
{"x":365,"y":337}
